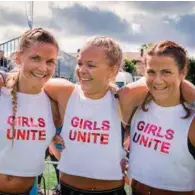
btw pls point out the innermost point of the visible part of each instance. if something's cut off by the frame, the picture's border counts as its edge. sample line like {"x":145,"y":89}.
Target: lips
{"x":85,"y":79}
{"x":160,"y":89}
{"x":40,"y":75}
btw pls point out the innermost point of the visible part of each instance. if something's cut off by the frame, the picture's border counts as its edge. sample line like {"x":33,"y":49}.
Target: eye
{"x":91,"y":65}
{"x":79,"y":64}
{"x":150,"y":72}
{"x":35,"y":58}
{"x":51,"y":62}
{"x":166,"y":72}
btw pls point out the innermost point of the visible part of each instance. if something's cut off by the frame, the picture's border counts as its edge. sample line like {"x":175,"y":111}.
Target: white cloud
{"x":143,"y":22}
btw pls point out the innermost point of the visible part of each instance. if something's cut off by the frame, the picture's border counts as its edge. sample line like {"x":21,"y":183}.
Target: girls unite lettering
{"x":24,"y":128}
{"x":153,"y":137}
{"x":87,"y":131}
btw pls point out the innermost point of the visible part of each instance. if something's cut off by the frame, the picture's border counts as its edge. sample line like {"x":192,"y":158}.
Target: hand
{"x":124,"y":165}
{"x":113,"y":88}
{"x":59,"y":142}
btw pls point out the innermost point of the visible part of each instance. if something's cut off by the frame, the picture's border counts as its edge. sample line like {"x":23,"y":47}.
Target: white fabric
{"x":85,"y":122}
{"x":34,"y":130}
{"x":166,"y":162}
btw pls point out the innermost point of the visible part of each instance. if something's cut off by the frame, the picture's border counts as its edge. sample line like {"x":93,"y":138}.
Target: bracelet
{"x":4,"y":75}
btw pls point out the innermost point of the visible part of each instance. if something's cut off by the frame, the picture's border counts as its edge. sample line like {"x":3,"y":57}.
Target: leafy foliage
{"x":129,"y":66}
{"x":191,"y":71}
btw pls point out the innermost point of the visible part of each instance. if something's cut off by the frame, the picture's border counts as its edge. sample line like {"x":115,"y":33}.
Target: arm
{"x":131,"y":96}
{"x":58,"y":123}
{"x":56,"y":115}
{"x":188,"y":91}
{"x":59,"y":89}
{"x":191,"y":134}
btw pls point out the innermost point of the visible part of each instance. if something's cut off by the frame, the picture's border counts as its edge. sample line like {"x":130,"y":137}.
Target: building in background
{"x":65,"y":67}
{"x":137,"y":57}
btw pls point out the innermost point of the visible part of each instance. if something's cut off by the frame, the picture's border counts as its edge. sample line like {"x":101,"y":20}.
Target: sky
{"x":131,"y":23}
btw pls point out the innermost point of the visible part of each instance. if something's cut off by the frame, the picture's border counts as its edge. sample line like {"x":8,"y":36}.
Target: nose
{"x":158,"y":79}
{"x":82,"y":69}
{"x":42,"y":67}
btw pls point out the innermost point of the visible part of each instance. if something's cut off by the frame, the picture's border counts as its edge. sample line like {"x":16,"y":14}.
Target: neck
{"x":25,"y":87}
{"x":174,"y":100}
{"x":96,"y":95}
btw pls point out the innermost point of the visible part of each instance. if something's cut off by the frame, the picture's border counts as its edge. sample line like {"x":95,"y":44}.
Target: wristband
{"x":4,"y":75}
{"x":58,"y":130}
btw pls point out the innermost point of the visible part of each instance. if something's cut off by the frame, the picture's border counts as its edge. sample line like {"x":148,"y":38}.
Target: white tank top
{"x":159,"y":154}
{"x":92,"y":134}
{"x":34,"y":130}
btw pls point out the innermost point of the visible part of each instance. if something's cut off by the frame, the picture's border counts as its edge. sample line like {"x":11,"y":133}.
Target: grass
{"x":50,"y":176}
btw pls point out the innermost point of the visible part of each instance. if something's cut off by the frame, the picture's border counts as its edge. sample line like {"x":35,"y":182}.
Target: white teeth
{"x":159,"y":88}
{"x":38,"y":75}
{"x":83,"y":79}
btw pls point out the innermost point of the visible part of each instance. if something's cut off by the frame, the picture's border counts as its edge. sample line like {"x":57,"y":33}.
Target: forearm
{"x":132,"y":96}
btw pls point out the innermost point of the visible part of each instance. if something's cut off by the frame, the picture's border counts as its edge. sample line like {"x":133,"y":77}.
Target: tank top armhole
{"x":191,"y":148}
{"x":50,"y":114}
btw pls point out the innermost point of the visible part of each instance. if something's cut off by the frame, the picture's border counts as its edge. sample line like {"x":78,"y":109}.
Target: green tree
{"x":129,"y":66}
{"x":191,"y":71}
{"x":144,"y":47}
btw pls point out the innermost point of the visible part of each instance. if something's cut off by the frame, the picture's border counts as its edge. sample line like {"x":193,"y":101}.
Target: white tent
{"x":123,"y":78}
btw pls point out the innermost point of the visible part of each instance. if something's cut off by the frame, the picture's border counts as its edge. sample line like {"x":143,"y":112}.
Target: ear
{"x":18,"y":57}
{"x":183,"y":73}
{"x":113,"y":71}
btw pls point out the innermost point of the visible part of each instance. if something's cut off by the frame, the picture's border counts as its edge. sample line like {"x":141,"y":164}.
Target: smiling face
{"x":37,"y":63}
{"x":163,"y":79}
{"x":94,"y":71}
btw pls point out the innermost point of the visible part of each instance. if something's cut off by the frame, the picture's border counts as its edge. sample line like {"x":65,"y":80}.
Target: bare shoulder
{"x":58,"y":89}
{"x":191,"y":133}
{"x":59,"y":83}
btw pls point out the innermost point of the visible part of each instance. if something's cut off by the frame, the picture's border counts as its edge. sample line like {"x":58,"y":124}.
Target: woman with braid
{"x":27,"y":126}
{"x":92,"y":127}
{"x":90,"y":164}
{"x":162,"y":146}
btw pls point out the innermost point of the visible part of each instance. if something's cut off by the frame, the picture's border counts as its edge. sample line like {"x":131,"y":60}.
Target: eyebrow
{"x":86,"y":61}
{"x":36,"y":55}
{"x":52,"y":59}
{"x":91,"y":61}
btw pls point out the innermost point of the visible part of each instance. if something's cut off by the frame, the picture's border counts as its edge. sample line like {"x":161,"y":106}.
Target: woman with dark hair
{"x":162,"y":146}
